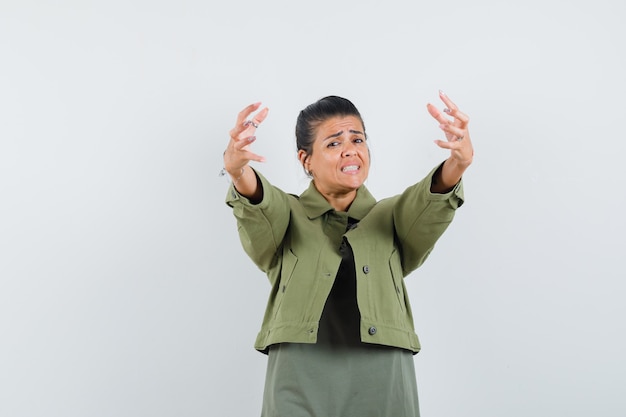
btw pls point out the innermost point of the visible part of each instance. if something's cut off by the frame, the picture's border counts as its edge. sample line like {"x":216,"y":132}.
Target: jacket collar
{"x":315,"y":204}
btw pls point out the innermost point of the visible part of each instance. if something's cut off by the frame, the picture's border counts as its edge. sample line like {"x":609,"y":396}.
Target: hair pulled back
{"x":314,"y":114}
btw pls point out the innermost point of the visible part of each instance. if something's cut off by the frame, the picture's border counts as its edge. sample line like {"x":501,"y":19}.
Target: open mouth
{"x":350,"y":168}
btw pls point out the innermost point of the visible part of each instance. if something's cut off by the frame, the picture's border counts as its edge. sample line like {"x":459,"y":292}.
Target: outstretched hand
{"x":457,"y":135}
{"x":238,"y":154}
{"x":457,"y":141}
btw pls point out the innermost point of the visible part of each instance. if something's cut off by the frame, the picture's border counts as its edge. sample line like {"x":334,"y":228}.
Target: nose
{"x":349,"y":149}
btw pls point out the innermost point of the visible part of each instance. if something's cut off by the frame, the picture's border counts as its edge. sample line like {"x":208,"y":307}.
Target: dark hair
{"x":314,"y":114}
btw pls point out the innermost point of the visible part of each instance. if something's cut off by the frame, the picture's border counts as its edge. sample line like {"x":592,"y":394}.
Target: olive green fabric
{"x":339,"y":375}
{"x":296,"y":241}
{"x":308,"y":380}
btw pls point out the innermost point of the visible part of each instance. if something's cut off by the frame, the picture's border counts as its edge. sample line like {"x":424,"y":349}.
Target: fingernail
{"x":442,"y":93}
{"x":442,"y":126}
{"x":446,"y":110}
{"x":251,"y":138}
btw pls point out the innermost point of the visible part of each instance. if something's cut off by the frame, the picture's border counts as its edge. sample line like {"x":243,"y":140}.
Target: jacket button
{"x":372,"y":330}
{"x":366,"y":269}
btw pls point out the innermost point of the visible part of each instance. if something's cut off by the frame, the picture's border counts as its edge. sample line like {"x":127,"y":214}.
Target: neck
{"x":338,"y":201}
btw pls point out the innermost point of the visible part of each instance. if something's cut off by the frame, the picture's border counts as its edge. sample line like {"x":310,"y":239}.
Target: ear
{"x":303,"y":157}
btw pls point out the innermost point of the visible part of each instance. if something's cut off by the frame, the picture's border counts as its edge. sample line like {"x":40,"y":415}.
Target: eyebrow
{"x":336,"y":135}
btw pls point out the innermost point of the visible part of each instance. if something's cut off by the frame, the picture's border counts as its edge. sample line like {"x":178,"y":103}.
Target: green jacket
{"x":296,"y":240}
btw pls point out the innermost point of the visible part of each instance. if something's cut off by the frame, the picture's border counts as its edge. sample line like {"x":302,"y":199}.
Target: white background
{"x":124,"y":290}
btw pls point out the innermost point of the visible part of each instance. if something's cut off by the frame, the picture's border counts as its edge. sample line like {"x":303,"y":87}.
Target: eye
{"x":332,"y":144}
{"x":359,"y":140}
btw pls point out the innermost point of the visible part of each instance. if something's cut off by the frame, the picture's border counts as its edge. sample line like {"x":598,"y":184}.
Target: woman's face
{"x":340,"y":159}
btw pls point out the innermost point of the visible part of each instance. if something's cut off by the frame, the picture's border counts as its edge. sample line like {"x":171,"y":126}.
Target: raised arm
{"x":423,"y":212}
{"x":261,"y":210}
{"x":238,"y":154}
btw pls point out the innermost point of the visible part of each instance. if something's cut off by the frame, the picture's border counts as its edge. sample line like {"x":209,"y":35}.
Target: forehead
{"x":339,"y":123}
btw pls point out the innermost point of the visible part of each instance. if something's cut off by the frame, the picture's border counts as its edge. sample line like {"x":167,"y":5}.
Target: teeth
{"x":350,"y":168}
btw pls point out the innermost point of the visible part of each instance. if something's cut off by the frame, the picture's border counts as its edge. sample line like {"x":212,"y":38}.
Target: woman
{"x":338,"y":327}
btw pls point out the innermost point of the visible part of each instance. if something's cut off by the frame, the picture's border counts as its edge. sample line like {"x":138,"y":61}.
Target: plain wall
{"x":124,"y":290}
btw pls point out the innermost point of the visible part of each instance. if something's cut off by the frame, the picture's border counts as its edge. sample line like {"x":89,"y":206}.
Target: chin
{"x":356,"y":183}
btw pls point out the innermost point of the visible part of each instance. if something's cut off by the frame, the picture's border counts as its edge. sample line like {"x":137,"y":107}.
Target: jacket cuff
{"x":456,"y":196}
{"x":234,"y":199}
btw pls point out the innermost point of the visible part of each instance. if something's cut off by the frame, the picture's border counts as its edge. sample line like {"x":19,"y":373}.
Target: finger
{"x":235,"y":158}
{"x":260,"y":116}
{"x":453,"y":110}
{"x":449,"y":145}
{"x":252,"y":124}
{"x":453,"y":131}
{"x":460,"y":119}
{"x":446,"y":100}
{"x":238,"y":134}
{"x":243,"y":115}
{"x":241,"y":144}
{"x":244,"y":130}
{"x":434,"y":112}
{"x":241,"y":147}
{"x":251,"y":156}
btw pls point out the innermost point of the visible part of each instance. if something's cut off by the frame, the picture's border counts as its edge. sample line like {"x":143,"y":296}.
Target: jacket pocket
{"x":288,"y":266}
{"x":397,"y":278}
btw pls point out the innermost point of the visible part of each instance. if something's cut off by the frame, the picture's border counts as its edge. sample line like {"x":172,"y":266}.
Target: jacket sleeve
{"x":261,"y":226}
{"x":420,"y":218}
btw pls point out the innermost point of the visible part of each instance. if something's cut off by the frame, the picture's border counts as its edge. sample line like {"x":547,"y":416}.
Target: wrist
{"x":447,"y":176}
{"x":453,"y":170}
{"x":455,"y":165}
{"x":236,"y":176}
